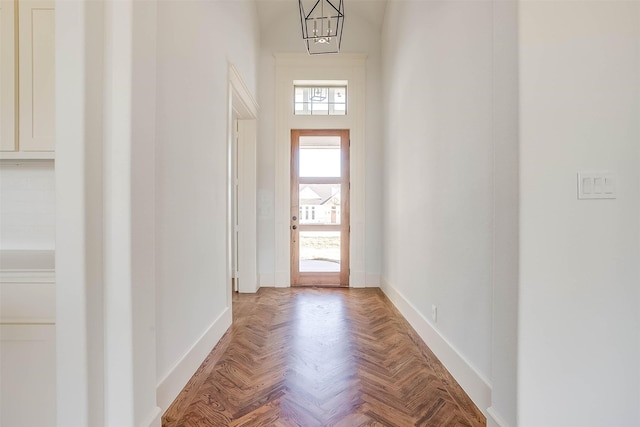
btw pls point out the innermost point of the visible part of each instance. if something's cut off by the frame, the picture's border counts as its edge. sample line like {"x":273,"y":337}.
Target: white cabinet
{"x":27,"y":339}
{"x":37,"y":77}
{"x":31,"y":39}
{"x":28,"y":371}
{"x":7,"y":76}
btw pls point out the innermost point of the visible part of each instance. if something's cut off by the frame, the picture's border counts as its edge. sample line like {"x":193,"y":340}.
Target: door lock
{"x":294,"y":218}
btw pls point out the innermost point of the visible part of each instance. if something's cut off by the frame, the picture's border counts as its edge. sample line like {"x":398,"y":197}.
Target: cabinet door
{"x":28,"y":371}
{"x":37,"y":75}
{"x":7,"y":76}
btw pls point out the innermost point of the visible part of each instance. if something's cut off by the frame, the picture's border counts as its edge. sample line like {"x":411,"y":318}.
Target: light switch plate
{"x":596,"y":185}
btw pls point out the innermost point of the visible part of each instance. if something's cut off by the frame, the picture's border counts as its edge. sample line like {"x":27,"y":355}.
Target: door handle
{"x":295,"y":227}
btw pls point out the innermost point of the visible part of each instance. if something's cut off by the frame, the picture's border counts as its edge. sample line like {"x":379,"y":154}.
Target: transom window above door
{"x":323,"y":99}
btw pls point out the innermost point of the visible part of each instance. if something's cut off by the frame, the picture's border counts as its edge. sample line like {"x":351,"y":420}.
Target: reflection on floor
{"x":321,"y":357}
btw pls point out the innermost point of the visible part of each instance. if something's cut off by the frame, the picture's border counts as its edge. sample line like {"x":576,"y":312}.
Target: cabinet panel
{"x":7,"y":76}
{"x":27,"y":368}
{"x":37,"y":75}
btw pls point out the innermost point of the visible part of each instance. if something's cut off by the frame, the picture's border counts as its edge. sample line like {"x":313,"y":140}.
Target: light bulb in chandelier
{"x":323,"y":40}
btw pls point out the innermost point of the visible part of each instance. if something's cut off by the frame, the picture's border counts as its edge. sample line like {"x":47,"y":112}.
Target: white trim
{"x":27,"y":276}
{"x":178,"y":376}
{"x":27,"y":155}
{"x":247,"y":207}
{"x":154,"y":419}
{"x":27,"y":321}
{"x":27,"y":266}
{"x":242,"y":103}
{"x":473,"y":382}
{"x":295,"y":67}
{"x":80,"y":42}
{"x":494,"y":419}
{"x":244,"y":94}
{"x":357,"y":279}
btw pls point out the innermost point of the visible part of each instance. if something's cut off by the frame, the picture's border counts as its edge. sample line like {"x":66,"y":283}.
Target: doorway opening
{"x":320,"y":207}
{"x":241,"y":189}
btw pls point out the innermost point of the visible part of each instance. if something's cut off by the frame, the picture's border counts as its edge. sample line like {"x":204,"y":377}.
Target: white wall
{"x":142,"y":193}
{"x":27,"y":205}
{"x":504,"y":332}
{"x":361,"y":35}
{"x":141,"y":213}
{"x":438,"y":174}
{"x":578,"y":328}
{"x":196,"y":40}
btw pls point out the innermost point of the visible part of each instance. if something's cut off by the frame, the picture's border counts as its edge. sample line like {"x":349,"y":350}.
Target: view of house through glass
{"x":320,"y":203}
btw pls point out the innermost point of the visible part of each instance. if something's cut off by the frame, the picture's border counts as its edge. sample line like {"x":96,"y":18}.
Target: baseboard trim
{"x":494,"y":419}
{"x":267,"y":280}
{"x":373,"y":281}
{"x":473,"y":383}
{"x":174,"y":381}
{"x":357,"y":279}
{"x":154,"y":419}
{"x":282,"y":279}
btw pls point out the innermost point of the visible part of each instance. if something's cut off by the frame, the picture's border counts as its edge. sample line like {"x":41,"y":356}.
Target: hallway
{"x":318,"y":357}
{"x":494,"y":200}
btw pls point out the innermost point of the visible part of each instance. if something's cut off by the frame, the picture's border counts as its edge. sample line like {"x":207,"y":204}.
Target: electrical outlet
{"x":434,"y":313}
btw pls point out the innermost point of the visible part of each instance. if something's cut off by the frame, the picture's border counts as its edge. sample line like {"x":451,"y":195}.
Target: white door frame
{"x":244,"y":108}
{"x":301,"y":67}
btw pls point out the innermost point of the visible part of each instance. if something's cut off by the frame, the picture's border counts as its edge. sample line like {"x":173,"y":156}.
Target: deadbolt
{"x":294,"y":218}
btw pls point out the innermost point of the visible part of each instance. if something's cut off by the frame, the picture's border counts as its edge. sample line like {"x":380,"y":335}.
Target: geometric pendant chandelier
{"x":322,"y":22}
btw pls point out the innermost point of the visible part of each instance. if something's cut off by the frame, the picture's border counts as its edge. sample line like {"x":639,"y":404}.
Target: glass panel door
{"x":320,"y":207}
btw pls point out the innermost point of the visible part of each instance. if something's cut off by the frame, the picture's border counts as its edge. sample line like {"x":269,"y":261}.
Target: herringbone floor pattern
{"x":321,"y":357}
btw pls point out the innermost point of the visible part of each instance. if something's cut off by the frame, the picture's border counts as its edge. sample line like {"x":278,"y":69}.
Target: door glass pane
{"x":319,"y":251}
{"x":319,"y":156}
{"x":319,"y":204}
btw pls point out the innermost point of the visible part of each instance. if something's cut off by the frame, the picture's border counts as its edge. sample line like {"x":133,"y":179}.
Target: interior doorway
{"x":320,"y":207}
{"x":241,"y":189}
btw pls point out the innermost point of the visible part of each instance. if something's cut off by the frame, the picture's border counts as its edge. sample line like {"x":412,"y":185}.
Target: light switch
{"x":608,"y":185}
{"x":596,"y":185}
{"x":587,"y":185}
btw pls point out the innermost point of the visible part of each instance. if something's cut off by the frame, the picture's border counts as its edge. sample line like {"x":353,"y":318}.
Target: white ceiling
{"x":370,"y":10}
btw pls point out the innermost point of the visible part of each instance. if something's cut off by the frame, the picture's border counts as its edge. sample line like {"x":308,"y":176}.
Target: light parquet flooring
{"x":321,"y":357}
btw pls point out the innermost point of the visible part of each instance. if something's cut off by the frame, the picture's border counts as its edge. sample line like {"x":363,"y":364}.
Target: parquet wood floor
{"x":321,"y":357}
